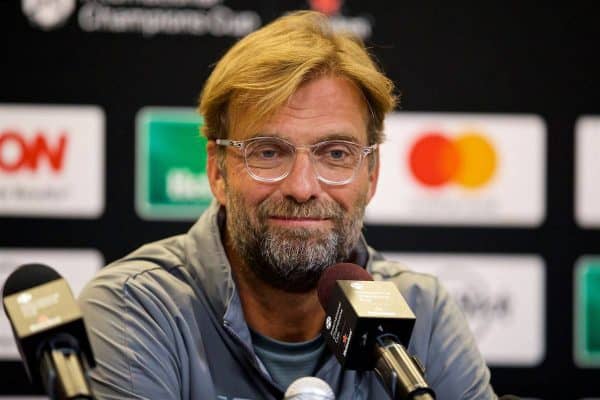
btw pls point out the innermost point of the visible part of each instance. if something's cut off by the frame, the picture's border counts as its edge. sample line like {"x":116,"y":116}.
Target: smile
{"x":299,"y":221}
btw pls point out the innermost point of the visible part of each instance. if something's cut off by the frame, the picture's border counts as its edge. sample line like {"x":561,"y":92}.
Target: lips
{"x":299,"y":218}
{"x":289,"y":213}
{"x":298,"y":221}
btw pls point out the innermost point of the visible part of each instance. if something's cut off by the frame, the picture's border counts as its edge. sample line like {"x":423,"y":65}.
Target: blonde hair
{"x":262,"y":71}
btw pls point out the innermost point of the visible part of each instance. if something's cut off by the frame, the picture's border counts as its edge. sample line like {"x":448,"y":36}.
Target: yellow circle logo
{"x":468,"y":159}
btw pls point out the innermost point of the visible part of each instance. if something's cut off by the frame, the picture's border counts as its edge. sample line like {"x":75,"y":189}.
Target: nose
{"x":302,"y":183}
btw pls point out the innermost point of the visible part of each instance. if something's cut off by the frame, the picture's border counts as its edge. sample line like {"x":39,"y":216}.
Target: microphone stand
{"x":401,"y":374}
{"x":63,"y":371}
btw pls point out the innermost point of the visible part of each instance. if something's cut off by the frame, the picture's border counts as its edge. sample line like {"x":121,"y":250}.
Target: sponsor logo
{"x":361,"y":26}
{"x":146,"y":17}
{"x":51,"y":161}
{"x":18,"y":152}
{"x":76,"y":266}
{"x":346,"y":339}
{"x":24,"y":298}
{"x":328,"y":322}
{"x":171,"y":164}
{"x":44,"y":323}
{"x":461,"y":169}
{"x":357,"y":285}
{"x":328,"y":7}
{"x":382,"y":313}
{"x":468,"y":160}
{"x":501,"y":296}
{"x":48,"y":14}
{"x":587,"y":312}
{"x":483,"y":306}
{"x":587,"y":171}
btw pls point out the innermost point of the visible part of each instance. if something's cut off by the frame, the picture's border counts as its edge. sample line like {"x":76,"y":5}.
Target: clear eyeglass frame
{"x":242,"y":145}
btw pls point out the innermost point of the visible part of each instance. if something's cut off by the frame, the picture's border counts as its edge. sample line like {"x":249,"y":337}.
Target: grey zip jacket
{"x":166,"y":322}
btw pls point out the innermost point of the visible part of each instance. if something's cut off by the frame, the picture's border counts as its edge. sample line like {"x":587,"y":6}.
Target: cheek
{"x":248,"y":191}
{"x":352,"y":195}
{"x":348,"y":197}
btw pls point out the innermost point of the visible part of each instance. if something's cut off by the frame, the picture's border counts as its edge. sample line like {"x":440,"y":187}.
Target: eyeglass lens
{"x":271,"y":158}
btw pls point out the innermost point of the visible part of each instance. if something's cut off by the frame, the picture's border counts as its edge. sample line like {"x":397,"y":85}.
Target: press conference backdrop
{"x":490,"y":177}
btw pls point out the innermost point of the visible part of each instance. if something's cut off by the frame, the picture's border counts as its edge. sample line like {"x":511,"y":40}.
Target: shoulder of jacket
{"x":405,"y":278}
{"x":154,"y":262}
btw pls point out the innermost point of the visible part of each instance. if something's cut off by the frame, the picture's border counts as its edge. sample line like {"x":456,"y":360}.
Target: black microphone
{"x":49,"y":331}
{"x":366,"y":325}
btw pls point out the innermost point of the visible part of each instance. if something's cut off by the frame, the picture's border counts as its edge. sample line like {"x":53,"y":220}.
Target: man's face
{"x":288,"y":232}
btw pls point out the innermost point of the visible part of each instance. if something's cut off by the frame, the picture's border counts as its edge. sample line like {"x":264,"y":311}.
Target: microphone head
{"x":28,"y":276}
{"x":358,"y":311}
{"x":309,"y":388}
{"x":43,"y":315}
{"x":339,"y":272}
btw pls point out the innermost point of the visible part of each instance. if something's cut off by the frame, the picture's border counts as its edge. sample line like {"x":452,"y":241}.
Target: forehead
{"x":322,"y":108}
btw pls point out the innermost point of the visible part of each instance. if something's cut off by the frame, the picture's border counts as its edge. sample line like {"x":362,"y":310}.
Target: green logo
{"x":171,"y":164}
{"x":587,"y":312}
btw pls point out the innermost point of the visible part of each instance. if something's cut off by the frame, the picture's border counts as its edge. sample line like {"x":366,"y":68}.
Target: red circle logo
{"x":327,"y":7}
{"x":468,"y":159}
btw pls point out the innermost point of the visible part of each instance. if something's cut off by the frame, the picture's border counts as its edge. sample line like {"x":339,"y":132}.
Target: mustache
{"x":288,"y":208}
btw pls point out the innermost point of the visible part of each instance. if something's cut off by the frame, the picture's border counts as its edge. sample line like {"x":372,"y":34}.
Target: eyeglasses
{"x":270,"y":159}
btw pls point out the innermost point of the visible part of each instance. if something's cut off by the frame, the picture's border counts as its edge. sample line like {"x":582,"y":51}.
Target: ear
{"x":373,"y":177}
{"x":215,"y":177}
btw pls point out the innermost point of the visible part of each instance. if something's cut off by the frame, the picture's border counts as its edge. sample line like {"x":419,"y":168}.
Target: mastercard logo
{"x":328,"y":7}
{"x":468,"y":159}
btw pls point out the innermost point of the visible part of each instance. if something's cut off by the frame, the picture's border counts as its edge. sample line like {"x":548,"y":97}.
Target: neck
{"x":272,"y":312}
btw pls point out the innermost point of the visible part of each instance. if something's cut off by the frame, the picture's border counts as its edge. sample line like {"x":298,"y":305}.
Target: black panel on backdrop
{"x":498,"y":58}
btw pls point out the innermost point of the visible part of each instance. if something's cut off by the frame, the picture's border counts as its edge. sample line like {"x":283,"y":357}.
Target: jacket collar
{"x":209,"y":264}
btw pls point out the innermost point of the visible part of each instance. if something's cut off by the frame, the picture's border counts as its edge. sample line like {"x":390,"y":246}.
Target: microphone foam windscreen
{"x":339,"y":272}
{"x":309,"y":388}
{"x":28,"y":276}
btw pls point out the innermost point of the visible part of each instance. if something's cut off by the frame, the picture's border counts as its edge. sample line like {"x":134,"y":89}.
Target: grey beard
{"x":296,"y":264}
{"x":292,"y":259}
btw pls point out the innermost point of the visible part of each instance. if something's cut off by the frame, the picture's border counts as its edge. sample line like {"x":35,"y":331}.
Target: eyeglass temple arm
{"x":228,"y":142}
{"x":369,"y":149}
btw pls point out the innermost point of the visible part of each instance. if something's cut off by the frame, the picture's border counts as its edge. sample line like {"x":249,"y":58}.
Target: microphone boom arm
{"x":62,"y":369}
{"x":401,"y":374}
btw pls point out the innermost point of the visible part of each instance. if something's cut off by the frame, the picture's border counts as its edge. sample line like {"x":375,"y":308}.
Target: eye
{"x":266,"y":151}
{"x":336,"y":152}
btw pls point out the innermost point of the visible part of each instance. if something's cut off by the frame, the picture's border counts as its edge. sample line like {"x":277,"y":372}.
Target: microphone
{"x":309,"y":388}
{"x":366,"y":325}
{"x":49,"y":331}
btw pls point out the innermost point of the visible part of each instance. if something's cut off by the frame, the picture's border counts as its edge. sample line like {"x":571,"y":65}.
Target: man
{"x":294,"y":114}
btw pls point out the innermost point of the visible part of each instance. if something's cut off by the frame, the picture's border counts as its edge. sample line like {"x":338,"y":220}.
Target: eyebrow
{"x":331,"y":136}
